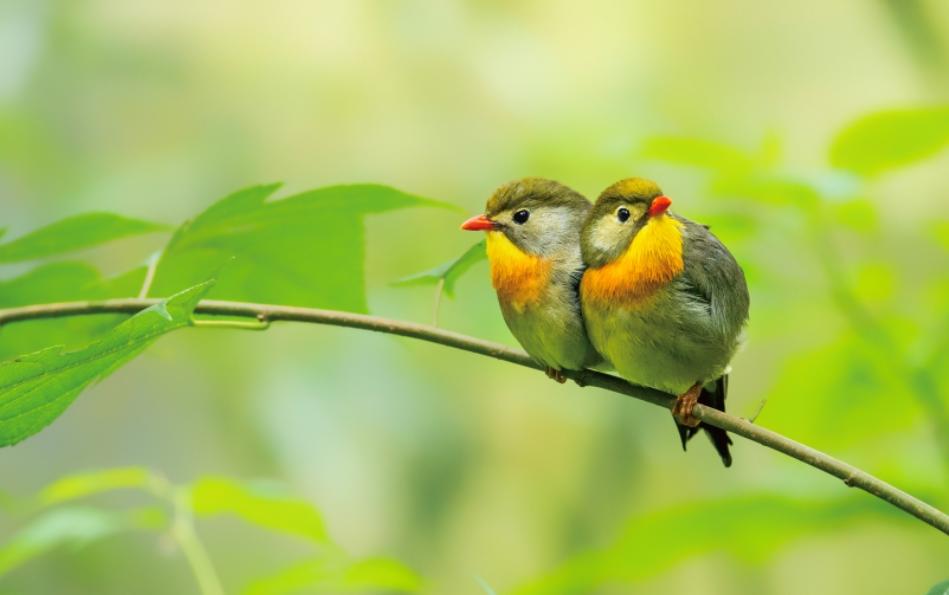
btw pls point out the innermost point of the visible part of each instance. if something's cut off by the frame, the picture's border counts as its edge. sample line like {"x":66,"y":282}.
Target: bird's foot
{"x":555,"y":374}
{"x":682,"y":410}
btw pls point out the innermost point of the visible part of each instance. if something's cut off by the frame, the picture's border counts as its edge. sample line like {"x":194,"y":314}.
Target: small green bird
{"x":533,"y":245}
{"x":663,"y":299}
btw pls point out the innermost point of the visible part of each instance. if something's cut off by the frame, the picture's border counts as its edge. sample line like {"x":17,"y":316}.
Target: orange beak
{"x":659,"y":205}
{"x":478,"y":223}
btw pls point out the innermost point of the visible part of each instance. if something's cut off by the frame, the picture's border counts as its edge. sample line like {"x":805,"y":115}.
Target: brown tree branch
{"x":266,"y":313}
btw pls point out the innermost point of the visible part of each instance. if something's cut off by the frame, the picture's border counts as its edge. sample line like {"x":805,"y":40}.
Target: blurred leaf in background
{"x":884,"y":141}
{"x":61,"y":522}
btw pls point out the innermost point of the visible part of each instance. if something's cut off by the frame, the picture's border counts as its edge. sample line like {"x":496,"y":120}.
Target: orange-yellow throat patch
{"x":653,"y":258}
{"x":518,"y":277}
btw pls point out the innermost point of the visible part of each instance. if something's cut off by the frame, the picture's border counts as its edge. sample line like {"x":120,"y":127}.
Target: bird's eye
{"x":622,"y":214}
{"x":521,"y":216}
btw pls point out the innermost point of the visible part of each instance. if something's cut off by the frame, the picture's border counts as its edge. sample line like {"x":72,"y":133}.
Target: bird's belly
{"x":661,"y":343}
{"x":551,"y":333}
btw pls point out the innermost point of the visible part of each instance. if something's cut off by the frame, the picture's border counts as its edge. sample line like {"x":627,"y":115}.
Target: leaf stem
{"x":183,"y":531}
{"x":851,"y":476}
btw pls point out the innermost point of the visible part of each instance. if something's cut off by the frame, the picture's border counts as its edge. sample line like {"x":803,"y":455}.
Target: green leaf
{"x":82,"y":485}
{"x":697,"y":153}
{"x":74,"y":233}
{"x":74,"y":527}
{"x":449,"y":272}
{"x":304,"y":250}
{"x":338,"y":576}
{"x":60,"y":282}
{"x":941,"y":588}
{"x":259,"y":504}
{"x":890,"y":139}
{"x":751,"y":528}
{"x":36,"y":388}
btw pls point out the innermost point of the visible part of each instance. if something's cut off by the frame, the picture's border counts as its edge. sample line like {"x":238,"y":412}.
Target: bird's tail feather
{"x":716,"y":399}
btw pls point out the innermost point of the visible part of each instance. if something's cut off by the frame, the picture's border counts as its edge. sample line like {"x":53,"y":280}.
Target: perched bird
{"x":533,"y":245}
{"x":663,"y":299}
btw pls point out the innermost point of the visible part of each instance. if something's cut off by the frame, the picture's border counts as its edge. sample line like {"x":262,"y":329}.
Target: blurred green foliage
{"x":59,"y":522}
{"x":483,"y":478}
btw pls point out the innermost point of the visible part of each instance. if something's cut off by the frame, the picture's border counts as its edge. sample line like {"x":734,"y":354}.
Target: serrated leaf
{"x":61,"y":282}
{"x":449,"y":272}
{"x":304,"y":250}
{"x":890,"y":139}
{"x":752,"y":527}
{"x":36,"y":388}
{"x":372,"y":575}
{"x":82,"y":485}
{"x":258,"y":504}
{"x":74,"y":233}
{"x":70,"y":526}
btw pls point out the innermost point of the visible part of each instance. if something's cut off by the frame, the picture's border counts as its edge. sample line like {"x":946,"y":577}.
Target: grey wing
{"x":713,"y":278}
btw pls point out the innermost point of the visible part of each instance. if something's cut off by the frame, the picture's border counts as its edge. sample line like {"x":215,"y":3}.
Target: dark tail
{"x":719,"y":437}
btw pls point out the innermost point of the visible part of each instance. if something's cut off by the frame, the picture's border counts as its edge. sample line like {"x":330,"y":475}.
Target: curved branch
{"x":266,"y":313}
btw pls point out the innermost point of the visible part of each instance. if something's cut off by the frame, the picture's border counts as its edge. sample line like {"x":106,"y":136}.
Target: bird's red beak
{"x":659,"y":205}
{"x":478,"y":223}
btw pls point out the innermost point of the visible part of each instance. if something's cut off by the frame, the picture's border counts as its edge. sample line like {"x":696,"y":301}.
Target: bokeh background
{"x":462,"y":467}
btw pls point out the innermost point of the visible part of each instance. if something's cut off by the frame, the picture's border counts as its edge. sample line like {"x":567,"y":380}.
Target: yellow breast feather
{"x":518,"y":277}
{"x":653,"y":258}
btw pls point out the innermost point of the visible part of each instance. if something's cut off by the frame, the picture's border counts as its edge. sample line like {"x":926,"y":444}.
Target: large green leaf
{"x":449,"y":272}
{"x":327,"y":575}
{"x":890,"y":139}
{"x":260,"y":504}
{"x":74,"y":233}
{"x":749,"y":527}
{"x":36,"y":388}
{"x":304,"y":250}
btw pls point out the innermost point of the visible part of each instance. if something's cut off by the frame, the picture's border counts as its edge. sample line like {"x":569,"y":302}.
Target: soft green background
{"x":466,"y":469}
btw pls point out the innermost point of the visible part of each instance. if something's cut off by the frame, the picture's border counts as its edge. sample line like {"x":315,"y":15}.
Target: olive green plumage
{"x":687,"y":330}
{"x":549,"y":328}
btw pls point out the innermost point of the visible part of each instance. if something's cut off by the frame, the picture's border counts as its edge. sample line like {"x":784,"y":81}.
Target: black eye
{"x":521,"y":216}
{"x":622,"y":214}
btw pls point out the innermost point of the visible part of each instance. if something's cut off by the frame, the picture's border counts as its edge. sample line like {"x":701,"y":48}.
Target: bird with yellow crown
{"x":664,"y":300}
{"x":626,"y":283}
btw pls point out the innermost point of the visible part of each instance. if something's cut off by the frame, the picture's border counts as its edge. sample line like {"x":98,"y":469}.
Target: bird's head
{"x":620,"y":213}
{"x":540,"y":217}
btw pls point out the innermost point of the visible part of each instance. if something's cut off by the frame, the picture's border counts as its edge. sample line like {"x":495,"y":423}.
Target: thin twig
{"x":849,"y":474}
{"x":149,"y":275}
{"x":183,"y":532}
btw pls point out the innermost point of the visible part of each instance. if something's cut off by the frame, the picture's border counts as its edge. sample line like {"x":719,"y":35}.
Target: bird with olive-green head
{"x":533,"y":246}
{"x":663,"y":299}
